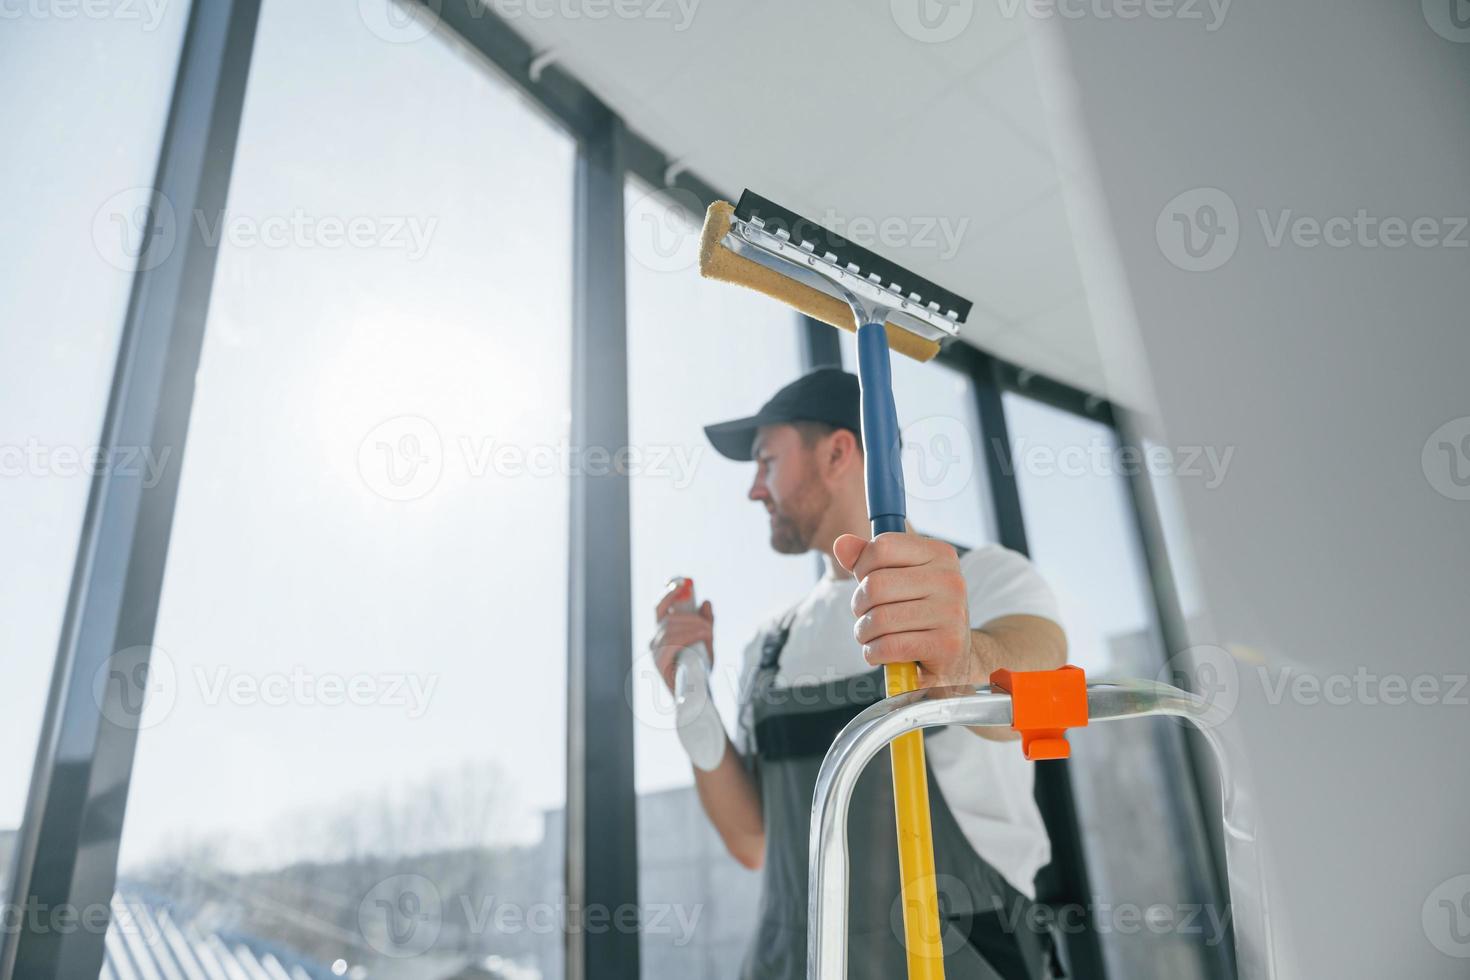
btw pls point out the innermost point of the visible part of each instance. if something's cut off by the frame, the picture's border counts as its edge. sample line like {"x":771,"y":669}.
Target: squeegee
{"x":765,"y":247}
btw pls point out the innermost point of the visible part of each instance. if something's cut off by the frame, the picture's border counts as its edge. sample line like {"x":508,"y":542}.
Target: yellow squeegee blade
{"x":718,"y":262}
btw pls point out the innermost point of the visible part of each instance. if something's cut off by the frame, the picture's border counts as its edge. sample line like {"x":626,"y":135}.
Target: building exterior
{"x":465,"y":914}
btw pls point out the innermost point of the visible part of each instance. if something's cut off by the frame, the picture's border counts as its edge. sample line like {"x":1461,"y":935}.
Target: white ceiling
{"x":831,"y":108}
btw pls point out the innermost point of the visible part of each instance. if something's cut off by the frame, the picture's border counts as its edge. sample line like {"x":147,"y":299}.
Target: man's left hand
{"x":911,"y":605}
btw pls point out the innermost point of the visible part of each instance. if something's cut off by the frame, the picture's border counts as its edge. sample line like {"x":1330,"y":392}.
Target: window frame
{"x":1066,"y":880}
{"x":67,"y":846}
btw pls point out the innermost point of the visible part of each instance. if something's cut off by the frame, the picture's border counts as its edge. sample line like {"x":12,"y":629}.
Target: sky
{"x":366,"y":581}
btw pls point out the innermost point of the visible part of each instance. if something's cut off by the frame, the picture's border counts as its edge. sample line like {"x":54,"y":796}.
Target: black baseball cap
{"x":827,"y":395}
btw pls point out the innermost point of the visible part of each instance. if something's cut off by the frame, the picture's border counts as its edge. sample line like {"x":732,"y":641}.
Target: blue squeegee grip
{"x":884,"y":466}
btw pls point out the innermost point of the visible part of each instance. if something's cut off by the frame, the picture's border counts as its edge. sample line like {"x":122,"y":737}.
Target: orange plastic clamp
{"x":1044,"y":704}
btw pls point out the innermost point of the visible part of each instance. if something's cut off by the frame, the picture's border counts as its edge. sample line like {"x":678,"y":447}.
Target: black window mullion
{"x":1064,"y":882}
{"x":1184,"y":744}
{"x":821,"y":344}
{"x":602,"y":839}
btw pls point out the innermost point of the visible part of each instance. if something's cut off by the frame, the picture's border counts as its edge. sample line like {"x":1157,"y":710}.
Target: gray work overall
{"x":985,"y":920}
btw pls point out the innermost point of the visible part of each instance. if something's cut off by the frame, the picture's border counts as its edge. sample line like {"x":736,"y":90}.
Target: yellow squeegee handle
{"x":883,"y":478}
{"x":922,"y":939}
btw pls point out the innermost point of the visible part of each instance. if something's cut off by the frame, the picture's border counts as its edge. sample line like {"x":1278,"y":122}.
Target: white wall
{"x":1330,"y":547}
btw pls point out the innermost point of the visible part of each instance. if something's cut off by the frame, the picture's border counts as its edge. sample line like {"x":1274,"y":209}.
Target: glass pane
{"x":353,"y":759}
{"x":942,"y":464}
{"x":1129,"y":778}
{"x":1160,"y":466}
{"x":698,"y":352}
{"x":77,"y":157}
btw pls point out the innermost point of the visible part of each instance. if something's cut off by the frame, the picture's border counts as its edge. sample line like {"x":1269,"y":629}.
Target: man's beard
{"x":794,"y":525}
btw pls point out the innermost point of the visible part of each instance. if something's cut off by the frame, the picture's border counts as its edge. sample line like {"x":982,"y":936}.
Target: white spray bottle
{"x":698,"y":722}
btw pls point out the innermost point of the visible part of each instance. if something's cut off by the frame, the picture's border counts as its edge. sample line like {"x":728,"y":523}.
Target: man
{"x":901,"y":597}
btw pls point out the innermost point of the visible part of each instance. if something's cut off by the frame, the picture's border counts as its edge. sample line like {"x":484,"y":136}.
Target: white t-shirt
{"x":987,"y":784}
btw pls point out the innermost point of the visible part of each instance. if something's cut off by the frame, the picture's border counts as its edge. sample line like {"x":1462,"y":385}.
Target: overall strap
{"x":772,"y":643}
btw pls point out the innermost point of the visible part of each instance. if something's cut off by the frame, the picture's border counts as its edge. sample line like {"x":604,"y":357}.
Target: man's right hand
{"x":677,"y":630}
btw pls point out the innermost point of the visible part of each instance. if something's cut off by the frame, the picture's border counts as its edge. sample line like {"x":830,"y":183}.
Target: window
{"x":1170,"y":510}
{"x":353,"y":758}
{"x":1143,"y":849}
{"x":78,"y":157}
{"x":698,"y":352}
{"x":943,"y":468}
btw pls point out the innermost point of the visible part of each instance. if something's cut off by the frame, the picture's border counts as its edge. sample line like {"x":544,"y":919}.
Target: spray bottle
{"x":698,"y":722}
